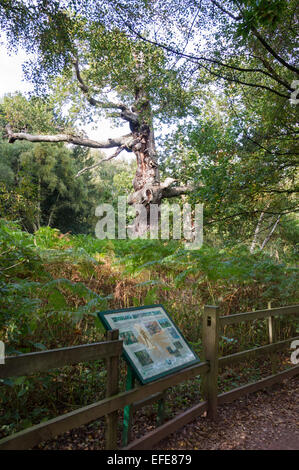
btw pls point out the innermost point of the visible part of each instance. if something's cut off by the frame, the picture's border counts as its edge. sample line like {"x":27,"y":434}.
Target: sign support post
{"x":128,"y":410}
{"x":161,"y":410}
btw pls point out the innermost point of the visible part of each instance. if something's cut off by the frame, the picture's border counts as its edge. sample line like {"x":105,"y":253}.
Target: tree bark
{"x":271,"y":233}
{"x":256,"y":232}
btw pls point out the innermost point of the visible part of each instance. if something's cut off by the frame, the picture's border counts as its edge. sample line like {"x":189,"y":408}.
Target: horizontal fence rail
{"x":149,"y":440}
{"x":249,"y":316}
{"x":26,"y":364}
{"x":250,"y":353}
{"x":228,"y":397}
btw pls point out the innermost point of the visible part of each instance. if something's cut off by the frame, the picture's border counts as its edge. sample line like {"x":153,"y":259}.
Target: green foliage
{"x":32,"y":303}
{"x":261,"y":13}
{"x":242,"y":164}
{"x":37,"y":184}
{"x":32,"y":114}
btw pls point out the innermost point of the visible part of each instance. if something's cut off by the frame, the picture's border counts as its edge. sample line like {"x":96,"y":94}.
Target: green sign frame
{"x":153,"y":346}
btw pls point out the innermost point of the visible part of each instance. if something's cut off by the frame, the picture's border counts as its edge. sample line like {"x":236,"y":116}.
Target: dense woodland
{"x":201,"y":92}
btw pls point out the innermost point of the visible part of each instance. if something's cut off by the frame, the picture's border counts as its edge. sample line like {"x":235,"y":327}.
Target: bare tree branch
{"x":195,"y":58}
{"x":272,"y":52}
{"x":258,"y":36}
{"x":125,"y":114}
{"x":235,"y":80}
{"x":257,"y":229}
{"x":271,"y":233}
{"x":217,"y":4}
{"x":272,"y":74}
{"x":176,"y":191}
{"x":86,"y":91}
{"x":125,"y":140}
{"x":291,"y":210}
{"x":87,"y":168}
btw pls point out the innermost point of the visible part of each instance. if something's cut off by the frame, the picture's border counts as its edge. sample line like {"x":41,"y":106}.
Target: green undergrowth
{"x":52,"y":285}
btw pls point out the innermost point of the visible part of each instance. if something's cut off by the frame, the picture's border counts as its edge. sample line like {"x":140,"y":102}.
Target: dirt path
{"x":263,"y":420}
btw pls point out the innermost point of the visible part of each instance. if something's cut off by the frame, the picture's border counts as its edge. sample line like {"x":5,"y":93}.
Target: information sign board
{"x":153,"y":344}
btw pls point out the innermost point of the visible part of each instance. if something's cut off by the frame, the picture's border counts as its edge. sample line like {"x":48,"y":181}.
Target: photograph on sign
{"x":153,"y":345}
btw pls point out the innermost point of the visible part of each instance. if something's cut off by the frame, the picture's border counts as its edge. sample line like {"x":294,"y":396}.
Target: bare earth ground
{"x":266,"y":420}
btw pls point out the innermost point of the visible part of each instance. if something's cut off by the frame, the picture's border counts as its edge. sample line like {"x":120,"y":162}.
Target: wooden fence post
{"x":112,"y":389}
{"x":210,"y":342}
{"x":272,"y":339}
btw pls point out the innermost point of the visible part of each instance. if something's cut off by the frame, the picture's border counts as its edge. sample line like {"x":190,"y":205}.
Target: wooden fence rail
{"x":30,"y":363}
{"x":139,"y":396}
{"x":258,"y":314}
{"x":251,"y":353}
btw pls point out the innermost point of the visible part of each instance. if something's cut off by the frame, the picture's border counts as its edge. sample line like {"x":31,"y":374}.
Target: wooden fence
{"x":111,"y":350}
